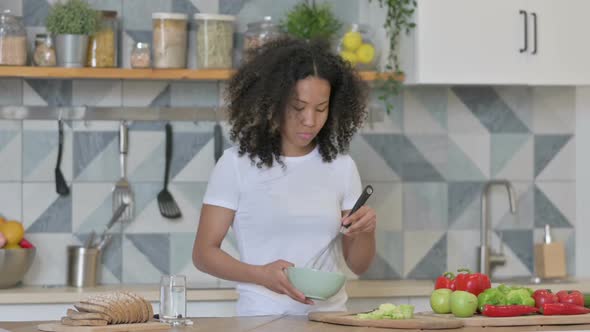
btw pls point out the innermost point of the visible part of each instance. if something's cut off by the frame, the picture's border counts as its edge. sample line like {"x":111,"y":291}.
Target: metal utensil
{"x":60,"y":182}
{"x":316,"y":262}
{"x":166,"y":203}
{"x":90,"y":240}
{"x":122,"y":191}
{"x":105,"y":237}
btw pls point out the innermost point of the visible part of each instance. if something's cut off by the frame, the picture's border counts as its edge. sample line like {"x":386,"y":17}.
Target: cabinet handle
{"x":534,"y":32}
{"x":526,"y":38}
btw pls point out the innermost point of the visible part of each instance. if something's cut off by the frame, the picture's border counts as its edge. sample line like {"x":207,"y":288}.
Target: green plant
{"x":309,"y":21}
{"x":74,"y":17}
{"x":398,"y":20}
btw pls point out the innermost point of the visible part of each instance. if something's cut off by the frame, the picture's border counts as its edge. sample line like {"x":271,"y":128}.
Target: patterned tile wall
{"x":428,"y":161}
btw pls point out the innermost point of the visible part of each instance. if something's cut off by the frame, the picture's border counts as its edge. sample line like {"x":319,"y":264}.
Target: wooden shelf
{"x":132,"y":74}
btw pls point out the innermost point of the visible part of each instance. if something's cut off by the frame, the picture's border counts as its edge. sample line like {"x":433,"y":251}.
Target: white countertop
{"x":355,"y":289}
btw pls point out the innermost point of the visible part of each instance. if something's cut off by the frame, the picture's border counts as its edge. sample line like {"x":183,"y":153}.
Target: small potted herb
{"x":311,"y":21}
{"x":72,"y":22}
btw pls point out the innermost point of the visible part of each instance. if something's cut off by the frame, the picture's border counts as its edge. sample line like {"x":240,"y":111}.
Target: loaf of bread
{"x":119,"y":307}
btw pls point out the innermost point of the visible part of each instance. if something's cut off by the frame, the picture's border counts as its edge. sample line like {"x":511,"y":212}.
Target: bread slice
{"x":132,"y":312}
{"x":142,"y":308}
{"x":116,"y":305}
{"x":150,"y":309}
{"x":93,"y":302}
{"x":112,"y":307}
{"x":95,"y":308}
{"x":83,"y":322}
{"x":76,"y":315}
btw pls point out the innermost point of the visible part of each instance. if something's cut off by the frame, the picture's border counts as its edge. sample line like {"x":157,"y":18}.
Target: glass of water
{"x":173,"y":299}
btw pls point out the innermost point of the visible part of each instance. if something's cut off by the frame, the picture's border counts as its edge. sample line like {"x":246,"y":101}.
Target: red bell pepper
{"x":543,"y":296}
{"x":473,"y":283}
{"x":25,"y":244}
{"x":447,"y":280}
{"x":564,"y":309}
{"x":507,"y":310}
{"x":574,"y":297}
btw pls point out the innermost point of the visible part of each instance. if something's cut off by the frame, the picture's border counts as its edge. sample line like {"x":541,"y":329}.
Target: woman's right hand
{"x":273,"y":277}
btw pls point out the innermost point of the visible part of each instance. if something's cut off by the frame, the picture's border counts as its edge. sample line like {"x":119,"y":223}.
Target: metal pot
{"x":71,"y":50}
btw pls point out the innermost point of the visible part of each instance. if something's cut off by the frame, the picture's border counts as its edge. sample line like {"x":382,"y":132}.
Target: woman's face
{"x":306,"y":114}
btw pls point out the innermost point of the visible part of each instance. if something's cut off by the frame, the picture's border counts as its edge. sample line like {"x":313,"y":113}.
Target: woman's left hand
{"x":364,"y":220}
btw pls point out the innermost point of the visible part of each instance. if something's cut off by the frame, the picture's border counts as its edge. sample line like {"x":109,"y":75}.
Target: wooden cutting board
{"x":418,"y":322}
{"x":58,"y":327}
{"x":529,"y":320}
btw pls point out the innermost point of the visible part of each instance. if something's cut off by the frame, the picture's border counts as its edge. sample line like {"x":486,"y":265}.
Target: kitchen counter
{"x":296,"y":323}
{"x":357,"y":289}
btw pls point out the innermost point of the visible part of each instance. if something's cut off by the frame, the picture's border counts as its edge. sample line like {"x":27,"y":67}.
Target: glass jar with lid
{"x":140,"y":55}
{"x":44,"y":53}
{"x":358,"y":47}
{"x":261,"y":32}
{"x":215,"y":41}
{"x":13,"y":40}
{"x":169,"y":43}
{"x":102,"y":46}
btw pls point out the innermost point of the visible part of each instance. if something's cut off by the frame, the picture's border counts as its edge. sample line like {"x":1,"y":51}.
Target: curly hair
{"x":258,"y":93}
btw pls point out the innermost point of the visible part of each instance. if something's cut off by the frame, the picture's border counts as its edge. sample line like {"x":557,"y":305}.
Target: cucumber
{"x":587,"y":300}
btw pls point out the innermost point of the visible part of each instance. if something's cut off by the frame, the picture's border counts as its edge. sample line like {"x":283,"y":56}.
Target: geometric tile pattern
{"x":428,"y":161}
{"x":437,"y":180}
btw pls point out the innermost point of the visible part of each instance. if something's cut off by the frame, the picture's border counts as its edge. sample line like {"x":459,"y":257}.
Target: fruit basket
{"x":16,"y":253}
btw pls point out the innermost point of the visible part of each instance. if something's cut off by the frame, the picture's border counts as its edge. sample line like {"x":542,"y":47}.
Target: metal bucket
{"x":71,"y":50}
{"x":83,"y":266}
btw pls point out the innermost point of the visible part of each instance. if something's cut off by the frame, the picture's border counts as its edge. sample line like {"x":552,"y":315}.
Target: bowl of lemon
{"x":16,"y":253}
{"x":358,"y":48}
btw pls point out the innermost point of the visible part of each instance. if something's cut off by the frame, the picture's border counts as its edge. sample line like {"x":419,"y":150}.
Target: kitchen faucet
{"x":487,"y":258}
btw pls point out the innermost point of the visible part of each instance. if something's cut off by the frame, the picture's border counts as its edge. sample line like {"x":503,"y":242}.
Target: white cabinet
{"x":537,"y":42}
{"x":563,"y":49}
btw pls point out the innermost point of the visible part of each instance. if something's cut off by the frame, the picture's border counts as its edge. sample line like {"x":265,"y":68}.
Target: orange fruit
{"x":13,"y":231}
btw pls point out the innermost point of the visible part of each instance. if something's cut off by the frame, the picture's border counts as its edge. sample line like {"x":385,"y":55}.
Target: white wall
{"x":582,"y":180}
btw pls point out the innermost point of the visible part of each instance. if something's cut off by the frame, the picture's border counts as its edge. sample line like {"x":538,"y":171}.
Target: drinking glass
{"x":173,"y":299}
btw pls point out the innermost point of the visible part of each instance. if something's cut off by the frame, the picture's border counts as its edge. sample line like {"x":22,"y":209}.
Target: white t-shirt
{"x":284,"y":213}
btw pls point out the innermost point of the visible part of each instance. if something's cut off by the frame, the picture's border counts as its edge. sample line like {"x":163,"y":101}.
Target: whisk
{"x":316,"y":262}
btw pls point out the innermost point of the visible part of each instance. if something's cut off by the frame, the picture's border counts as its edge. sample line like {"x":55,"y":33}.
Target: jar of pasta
{"x":13,"y":40}
{"x":102,"y":46}
{"x":215,"y":40}
{"x":169,"y":43}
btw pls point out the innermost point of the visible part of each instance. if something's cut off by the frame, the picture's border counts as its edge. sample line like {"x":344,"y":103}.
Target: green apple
{"x":463,"y":304}
{"x":440,"y":301}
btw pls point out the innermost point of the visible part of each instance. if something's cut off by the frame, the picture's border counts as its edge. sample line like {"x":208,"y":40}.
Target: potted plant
{"x":71,"y":23}
{"x":311,"y":21}
{"x":398,"y":19}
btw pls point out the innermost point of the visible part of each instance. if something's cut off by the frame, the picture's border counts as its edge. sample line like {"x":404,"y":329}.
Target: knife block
{"x":550,"y":260}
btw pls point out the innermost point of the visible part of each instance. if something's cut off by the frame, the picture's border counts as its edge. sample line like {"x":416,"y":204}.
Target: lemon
{"x":13,"y":231}
{"x":350,"y":57}
{"x":366,"y":53}
{"x":352,"y":40}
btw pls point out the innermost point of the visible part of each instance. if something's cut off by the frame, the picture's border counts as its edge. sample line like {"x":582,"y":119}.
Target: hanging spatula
{"x":60,"y":182}
{"x":167,"y":204}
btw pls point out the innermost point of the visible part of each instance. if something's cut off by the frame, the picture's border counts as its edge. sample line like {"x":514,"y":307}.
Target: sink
{"x":524,"y":280}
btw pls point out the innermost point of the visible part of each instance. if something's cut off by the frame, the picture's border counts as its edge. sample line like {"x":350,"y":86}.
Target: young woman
{"x":287,"y":186}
